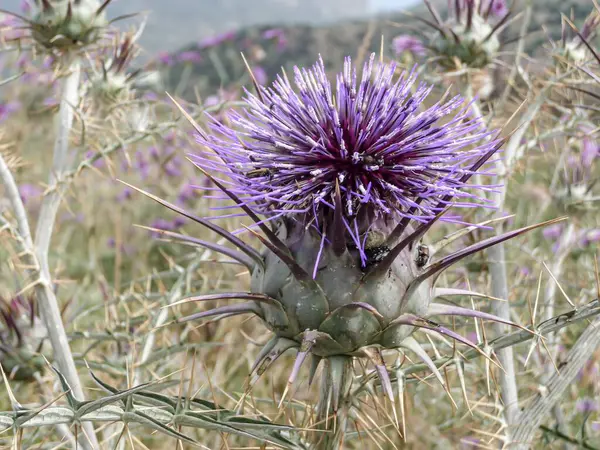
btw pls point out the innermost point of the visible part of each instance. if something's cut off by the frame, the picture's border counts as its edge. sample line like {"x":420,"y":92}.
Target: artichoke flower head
{"x":342,"y":183}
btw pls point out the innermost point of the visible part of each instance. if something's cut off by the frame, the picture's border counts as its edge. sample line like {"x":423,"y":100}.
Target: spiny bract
{"x":347,"y":185}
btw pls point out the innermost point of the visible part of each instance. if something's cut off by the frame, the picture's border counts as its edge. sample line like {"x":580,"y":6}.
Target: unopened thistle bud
{"x":572,"y":46}
{"x":470,"y":36}
{"x":113,"y":84}
{"x":578,"y":177}
{"x":21,"y":335}
{"x":64,"y":24}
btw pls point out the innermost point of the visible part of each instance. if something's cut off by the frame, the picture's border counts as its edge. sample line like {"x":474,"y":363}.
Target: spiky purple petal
{"x":390,"y":156}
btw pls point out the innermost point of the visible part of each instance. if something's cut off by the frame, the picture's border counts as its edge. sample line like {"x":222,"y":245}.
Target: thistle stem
{"x":497,"y":266}
{"x":46,"y":298}
{"x":334,"y":421}
{"x":48,"y":304}
{"x":499,"y":289}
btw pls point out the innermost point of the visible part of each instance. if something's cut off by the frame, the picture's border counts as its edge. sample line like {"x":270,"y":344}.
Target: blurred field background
{"x":112,"y":276}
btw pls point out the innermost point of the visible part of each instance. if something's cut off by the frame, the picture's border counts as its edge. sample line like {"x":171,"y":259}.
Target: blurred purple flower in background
{"x":553,"y":232}
{"x":189,"y":56}
{"x":494,"y":8}
{"x":279,"y":35}
{"x":179,"y":222}
{"x":7,"y":109}
{"x":589,"y":237}
{"x":407,"y":43}
{"x":187,"y":193}
{"x":165,"y":58}
{"x":213,"y":41}
{"x":260,"y":74}
{"x":586,"y":405}
{"x":125,"y":194}
{"x":161,"y":224}
{"x":30,"y":192}
{"x":497,"y":8}
{"x":25,"y":6}
{"x":470,"y":443}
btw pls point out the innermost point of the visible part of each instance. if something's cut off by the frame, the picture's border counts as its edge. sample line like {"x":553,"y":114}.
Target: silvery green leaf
{"x":89,"y":407}
{"x":108,"y":413}
{"x":157,"y":400}
{"x":73,"y":402}
{"x":6,"y":421}
{"x":54,"y":415}
{"x":150,"y":422}
{"x":158,"y":414}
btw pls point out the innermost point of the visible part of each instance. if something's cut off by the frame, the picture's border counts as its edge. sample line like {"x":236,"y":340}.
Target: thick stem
{"x":48,"y":304}
{"x":499,"y":288}
{"x":533,"y":416}
{"x":497,"y":265}
{"x":564,"y":249}
{"x":44,"y":293}
{"x":337,"y":376}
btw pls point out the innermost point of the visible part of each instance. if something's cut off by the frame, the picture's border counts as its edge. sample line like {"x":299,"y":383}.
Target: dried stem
{"x":552,"y":325}
{"x":175,"y":295}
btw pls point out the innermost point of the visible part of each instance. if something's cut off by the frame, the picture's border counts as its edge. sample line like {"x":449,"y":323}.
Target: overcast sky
{"x":376,"y":5}
{"x":385,"y":5}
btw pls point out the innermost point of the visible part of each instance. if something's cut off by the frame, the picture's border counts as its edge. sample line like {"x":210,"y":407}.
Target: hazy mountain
{"x":222,"y":66}
{"x":175,"y":23}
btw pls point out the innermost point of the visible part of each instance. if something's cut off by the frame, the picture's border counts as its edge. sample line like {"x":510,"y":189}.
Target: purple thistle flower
{"x":189,"y":57}
{"x":407,"y":43}
{"x":390,"y":157}
{"x":25,"y":6}
{"x":173,"y":167}
{"x":590,"y":26}
{"x":586,"y":405}
{"x":589,"y":152}
{"x":470,"y":443}
{"x":125,"y":194}
{"x":165,"y":58}
{"x":589,"y":237}
{"x":279,"y":35}
{"x":154,"y":153}
{"x":553,"y":232}
{"x":213,"y":41}
{"x":161,"y":224}
{"x":496,"y":8}
{"x":29,"y":192}
{"x":187,"y":193}
{"x":7,"y":109}
{"x":260,"y":74}
{"x":524,"y":271}
{"x":178,"y":222}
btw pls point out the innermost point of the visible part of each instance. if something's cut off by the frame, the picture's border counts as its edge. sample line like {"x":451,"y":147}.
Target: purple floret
{"x":391,"y":156}
{"x":407,"y":43}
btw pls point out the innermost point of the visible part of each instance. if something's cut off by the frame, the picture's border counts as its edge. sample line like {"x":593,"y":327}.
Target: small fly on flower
{"x":255,"y":173}
{"x":423,"y":254}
